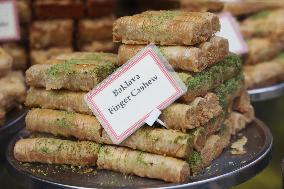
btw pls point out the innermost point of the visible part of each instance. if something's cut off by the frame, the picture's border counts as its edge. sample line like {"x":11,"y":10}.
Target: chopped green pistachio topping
{"x":281,"y":56}
{"x":103,"y":66}
{"x":214,"y":72}
{"x":44,"y":149}
{"x":195,"y":159}
{"x":222,"y":129}
{"x":227,"y":88}
{"x":260,"y":15}
{"x":140,"y":158}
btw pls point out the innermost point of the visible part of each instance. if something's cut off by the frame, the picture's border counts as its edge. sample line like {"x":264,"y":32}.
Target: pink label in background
{"x":123,"y":102}
{"x":9,"y":24}
{"x":231,"y":31}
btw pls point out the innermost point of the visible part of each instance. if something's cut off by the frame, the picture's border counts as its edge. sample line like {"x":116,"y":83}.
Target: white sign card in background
{"x":230,"y":30}
{"x":9,"y":25}
{"x":123,"y":102}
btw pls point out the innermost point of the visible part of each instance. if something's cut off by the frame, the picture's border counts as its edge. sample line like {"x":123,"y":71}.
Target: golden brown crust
{"x":264,"y":24}
{"x":81,"y":76}
{"x":61,"y":100}
{"x":55,"y":151}
{"x":196,"y":114}
{"x":159,"y":141}
{"x":83,"y":127}
{"x":262,"y":49}
{"x":166,"y":28}
{"x":185,"y":58}
{"x":264,"y":74}
{"x":143,"y":164}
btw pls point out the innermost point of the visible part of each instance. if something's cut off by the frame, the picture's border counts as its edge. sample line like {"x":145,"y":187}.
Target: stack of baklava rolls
{"x":264,"y":63}
{"x":12,"y":85}
{"x":198,"y":126}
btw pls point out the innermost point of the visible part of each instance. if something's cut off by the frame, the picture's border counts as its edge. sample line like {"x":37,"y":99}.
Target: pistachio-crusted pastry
{"x":56,"y":151}
{"x":265,"y":74}
{"x":63,"y":123}
{"x":199,"y":84}
{"x":75,"y":75}
{"x":143,"y":164}
{"x":262,"y":49}
{"x":5,"y":62}
{"x":242,"y":104}
{"x":60,"y":100}
{"x":230,"y":90}
{"x":212,"y":149}
{"x":264,"y":24}
{"x":197,"y":113}
{"x":166,"y":28}
{"x":172,"y":115}
{"x":84,"y":127}
{"x":193,"y":59}
{"x":42,"y":56}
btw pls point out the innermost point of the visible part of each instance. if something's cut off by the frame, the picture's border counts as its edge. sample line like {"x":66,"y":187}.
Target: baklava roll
{"x":75,"y":75}
{"x":177,"y":116}
{"x":193,"y":59}
{"x":213,"y":148}
{"x":166,"y":28}
{"x":56,"y":151}
{"x":60,"y":100}
{"x":264,"y":74}
{"x":264,"y":24}
{"x":200,"y":83}
{"x":189,"y":116}
{"x":143,"y":164}
{"x":158,"y":141}
{"x":62,"y":123}
{"x":84,"y":127}
{"x":262,"y":49}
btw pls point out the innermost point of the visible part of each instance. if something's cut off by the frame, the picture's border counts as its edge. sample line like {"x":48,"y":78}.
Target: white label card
{"x":9,"y":25}
{"x":230,"y":30}
{"x":123,"y":102}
